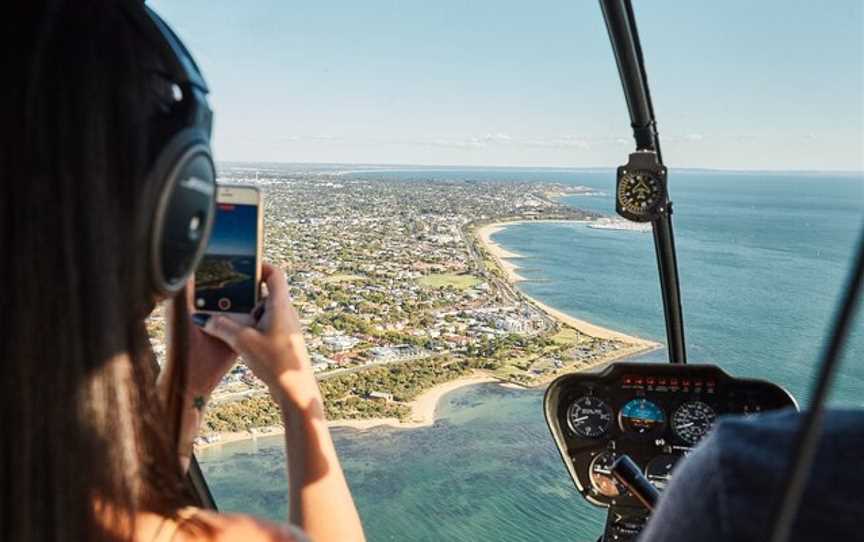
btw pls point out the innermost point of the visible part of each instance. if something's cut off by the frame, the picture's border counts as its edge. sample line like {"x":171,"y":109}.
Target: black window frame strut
{"x":198,"y":486}
{"x":621,"y":24}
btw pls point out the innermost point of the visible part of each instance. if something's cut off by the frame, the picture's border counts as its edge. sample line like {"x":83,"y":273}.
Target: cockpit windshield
{"x":439,"y":184}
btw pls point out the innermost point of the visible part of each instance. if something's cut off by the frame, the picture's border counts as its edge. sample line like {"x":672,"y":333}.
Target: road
{"x":327,"y":374}
{"x":507,"y":291}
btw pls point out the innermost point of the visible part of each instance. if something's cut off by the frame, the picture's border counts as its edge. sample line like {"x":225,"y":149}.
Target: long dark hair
{"x":84,"y":435}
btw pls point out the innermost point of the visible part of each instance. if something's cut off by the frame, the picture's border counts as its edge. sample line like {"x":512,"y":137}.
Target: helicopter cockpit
{"x":645,"y":417}
{"x":623,"y":430}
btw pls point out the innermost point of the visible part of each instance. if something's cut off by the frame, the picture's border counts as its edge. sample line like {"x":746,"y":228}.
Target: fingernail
{"x":200,"y":319}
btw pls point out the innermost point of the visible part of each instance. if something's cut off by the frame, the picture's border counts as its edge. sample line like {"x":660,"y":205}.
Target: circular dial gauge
{"x":640,"y":193}
{"x":692,"y":421}
{"x":641,"y":416}
{"x":659,"y":470}
{"x":589,"y":417}
{"x":600,"y":474}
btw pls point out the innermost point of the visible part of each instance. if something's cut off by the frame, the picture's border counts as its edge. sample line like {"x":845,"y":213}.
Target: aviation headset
{"x":178,"y":221}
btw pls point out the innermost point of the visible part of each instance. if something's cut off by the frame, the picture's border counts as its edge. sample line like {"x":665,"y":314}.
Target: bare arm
{"x":207,"y":361}
{"x":192,"y":416}
{"x":319,"y":497}
{"x":320,"y":500}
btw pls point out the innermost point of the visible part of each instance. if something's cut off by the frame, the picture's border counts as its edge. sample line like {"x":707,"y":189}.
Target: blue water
{"x":762,"y":260}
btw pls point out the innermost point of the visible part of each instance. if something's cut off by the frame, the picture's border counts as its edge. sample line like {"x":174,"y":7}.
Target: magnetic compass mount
{"x":640,"y":195}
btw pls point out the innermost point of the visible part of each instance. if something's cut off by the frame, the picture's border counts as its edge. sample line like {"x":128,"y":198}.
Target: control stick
{"x":630,"y":475}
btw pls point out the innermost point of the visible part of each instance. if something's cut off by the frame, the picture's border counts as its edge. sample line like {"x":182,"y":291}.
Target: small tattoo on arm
{"x":199,"y":402}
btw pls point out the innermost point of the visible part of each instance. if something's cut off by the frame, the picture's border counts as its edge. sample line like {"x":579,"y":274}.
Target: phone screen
{"x":225,"y":281}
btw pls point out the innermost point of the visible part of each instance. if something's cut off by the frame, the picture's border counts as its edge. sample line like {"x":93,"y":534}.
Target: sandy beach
{"x":422,"y":413}
{"x":502,"y":256}
{"x":592,"y":329}
{"x":226,"y":437}
{"x":422,"y":408}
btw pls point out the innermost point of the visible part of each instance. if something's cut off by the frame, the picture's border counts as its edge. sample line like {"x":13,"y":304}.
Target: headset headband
{"x":180,"y":216}
{"x":182,"y":68}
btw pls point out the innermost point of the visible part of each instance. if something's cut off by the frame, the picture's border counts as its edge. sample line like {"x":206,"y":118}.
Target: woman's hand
{"x":319,"y":498}
{"x":208,"y":359}
{"x":273,"y":348}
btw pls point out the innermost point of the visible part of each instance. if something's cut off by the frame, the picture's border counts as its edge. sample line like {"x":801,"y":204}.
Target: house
{"x":340,"y":343}
{"x":320,"y":363}
{"x":381,"y":396}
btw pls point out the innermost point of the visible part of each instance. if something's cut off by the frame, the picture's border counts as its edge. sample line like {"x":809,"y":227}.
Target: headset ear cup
{"x":184,"y":210}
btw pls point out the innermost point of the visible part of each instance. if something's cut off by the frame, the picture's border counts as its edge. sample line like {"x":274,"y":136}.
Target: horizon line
{"x":531,"y":167}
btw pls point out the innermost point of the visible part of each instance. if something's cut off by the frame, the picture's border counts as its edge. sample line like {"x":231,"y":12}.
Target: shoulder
{"x":752,"y":450}
{"x":727,"y":479}
{"x":693,"y":499}
{"x":783,"y":424}
{"x":705,"y":484}
{"x":218,"y":527}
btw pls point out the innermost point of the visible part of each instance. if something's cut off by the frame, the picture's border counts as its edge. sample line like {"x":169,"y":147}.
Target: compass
{"x":641,"y":192}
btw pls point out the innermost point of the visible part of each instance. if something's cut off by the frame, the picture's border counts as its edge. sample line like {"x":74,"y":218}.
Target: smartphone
{"x":228,"y":277}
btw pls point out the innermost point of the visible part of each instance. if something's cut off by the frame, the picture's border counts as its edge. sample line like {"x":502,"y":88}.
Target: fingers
{"x":239,"y":336}
{"x":258,"y":311}
{"x":238,"y":330}
{"x":277,"y":284}
{"x":278,"y":302}
{"x":247,"y":320}
{"x":267,"y":269}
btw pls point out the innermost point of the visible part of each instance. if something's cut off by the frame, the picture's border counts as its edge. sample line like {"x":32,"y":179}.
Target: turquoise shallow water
{"x":486,"y":470}
{"x":762,"y":258}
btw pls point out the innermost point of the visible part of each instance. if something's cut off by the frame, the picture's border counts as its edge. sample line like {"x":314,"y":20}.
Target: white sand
{"x":422,"y":408}
{"x":422,"y":413}
{"x":500,"y":254}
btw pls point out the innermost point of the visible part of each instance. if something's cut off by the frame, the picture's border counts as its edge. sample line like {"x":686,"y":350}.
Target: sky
{"x":738,"y":84}
{"x":235,"y":231}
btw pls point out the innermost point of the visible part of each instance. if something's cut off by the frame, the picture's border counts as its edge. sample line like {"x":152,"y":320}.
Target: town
{"x":397,"y":294}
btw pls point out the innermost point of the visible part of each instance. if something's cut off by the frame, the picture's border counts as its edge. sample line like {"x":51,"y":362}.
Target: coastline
{"x":424,"y":405}
{"x":422,"y":414}
{"x":501,"y":255}
{"x":422,"y":408}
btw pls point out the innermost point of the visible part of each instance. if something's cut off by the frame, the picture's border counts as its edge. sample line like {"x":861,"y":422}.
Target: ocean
{"x":762,"y":256}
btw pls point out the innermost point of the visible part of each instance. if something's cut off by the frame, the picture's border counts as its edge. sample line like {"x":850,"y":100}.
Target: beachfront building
{"x":511,"y":324}
{"x":399,"y":352}
{"x":340,"y":343}
{"x":381,"y":396}
{"x":320,"y":363}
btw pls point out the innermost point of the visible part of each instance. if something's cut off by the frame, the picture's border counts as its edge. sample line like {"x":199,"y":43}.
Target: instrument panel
{"x":654,"y":413}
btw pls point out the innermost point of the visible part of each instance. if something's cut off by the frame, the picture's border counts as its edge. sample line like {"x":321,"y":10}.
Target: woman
{"x":93,"y":448}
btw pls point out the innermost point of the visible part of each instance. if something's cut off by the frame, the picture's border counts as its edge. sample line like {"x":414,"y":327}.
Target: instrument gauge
{"x":642,"y":417}
{"x":659,"y":470}
{"x":640,"y":193}
{"x":589,"y":417}
{"x":600,"y":474}
{"x":692,"y":421}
